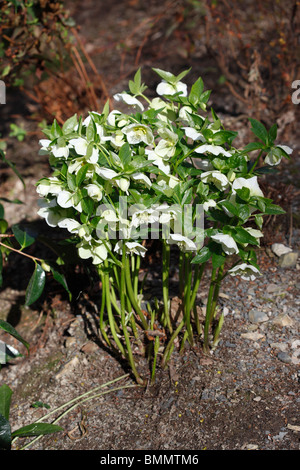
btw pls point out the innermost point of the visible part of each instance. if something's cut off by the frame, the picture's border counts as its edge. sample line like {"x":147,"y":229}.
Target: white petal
{"x":250,"y":183}
{"x":80,"y":145}
{"x":64,"y":199}
{"x":228,"y":243}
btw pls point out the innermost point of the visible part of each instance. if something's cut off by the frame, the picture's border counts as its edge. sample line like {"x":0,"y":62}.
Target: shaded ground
{"x":246,"y":394}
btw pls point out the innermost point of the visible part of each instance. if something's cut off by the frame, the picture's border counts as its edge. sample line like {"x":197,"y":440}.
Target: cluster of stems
{"x":126,"y":326}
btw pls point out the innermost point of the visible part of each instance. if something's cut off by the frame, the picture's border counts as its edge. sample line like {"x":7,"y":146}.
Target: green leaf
{"x":35,"y":286}
{"x":3,"y":225}
{"x":253,"y":146}
{"x":81,"y":175}
{"x":91,"y":131}
{"x":69,"y":124}
{"x":167,"y":76}
{"x":244,"y":212}
{"x":243,"y":194}
{"x":40,"y":404}
{"x":71,"y":181}
{"x":5,"y":434}
{"x":272,"y":134}
{"x":274,"y":210}
{"x":196,"y":91}
{"x":12,"y":166}
{"x":125,"y":154}
{"x":243,"y":236}
{"x":5,"y":400}
{"x":22,"y":236}
{"x":259,"y":130}
{"x":203,"y":256}
{"x":62,"y":280}
{"x":87,"y":205}
{"x":11,"y":330}
{"x":259,"y":220}
{"x":218,"y":260}
{"x":230,"y":207}
{"x":36,"y":429}
{"x":56,"y":130}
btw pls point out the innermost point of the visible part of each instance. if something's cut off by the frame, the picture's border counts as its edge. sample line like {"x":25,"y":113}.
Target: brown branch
{"x":21,"y":252}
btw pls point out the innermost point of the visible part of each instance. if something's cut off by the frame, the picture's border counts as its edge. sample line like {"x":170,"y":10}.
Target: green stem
{"x":165,"y":283}
{"x":212,"y":302}
{"x":103,"y":301}
{"x":110,"y":313}
{"x":255,"y":163}
{"x":170,"y":345}
{"x":181,"y":274}
{"x":155,"y":351}
{"x":123,"y":319}
{"x":187,"y":298}
{"x":131,"y":295}
{"x":208,"y":309}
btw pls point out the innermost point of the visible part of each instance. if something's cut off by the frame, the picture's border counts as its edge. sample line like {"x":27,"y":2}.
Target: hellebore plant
{"x":167,"y":170}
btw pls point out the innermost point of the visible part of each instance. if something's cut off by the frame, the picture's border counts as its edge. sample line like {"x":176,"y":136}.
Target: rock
{"x":288,"y":260}
{"x":280,"y":249}
{"x":283,"y":320}
{"x":67,"y":368}
{"x":257,"y":316}
{"x":295,"y":344}
{"x":293,"y":427}
{"x":281,"y":346}
{"x":253,"y":336}
{"x":284,"y":357}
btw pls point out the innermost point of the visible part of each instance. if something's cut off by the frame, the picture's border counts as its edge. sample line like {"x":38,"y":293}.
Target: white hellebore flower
{"x":254,"y":233}
{"x":113,"y":121}
{"x":208,"y":204}
{"x":70,"y":224}
{"x":274,"y":157}
{"x":250,"y":183}
{"x":137,"y":133}
{"x":93,"y":249}
{"x":215,"y":177}
{"x":158,"y":161}
{"x":140,"y":177}
{"x":144,"y":216}
{"x":165,"y":88}
{"x":87,"y":120}
{"x":228,"y":243}
{"x":112,"y":176}
{"x":246,"y":271}
{"x":129,"y":100}
{"x":94,"y":191}
{"x":131,"y":247}
{"x":184,"y":114}
{"x":60,"y":151}
{"x":214,"y":149}
{"x":50,"y":212}
{"x":184,"y":243}
{"x":57,"y":150}
{"x":166,"y":147}
{"x":80,"y":145}
{"x":65,"y":199}
{"x":193,"y":134}
{"x":51,"y":185}
{"x":45,"y":146}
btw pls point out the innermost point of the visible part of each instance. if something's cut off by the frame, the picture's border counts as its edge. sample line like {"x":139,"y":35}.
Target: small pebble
{"x":284,"y":357}
{"x":257,"y":316}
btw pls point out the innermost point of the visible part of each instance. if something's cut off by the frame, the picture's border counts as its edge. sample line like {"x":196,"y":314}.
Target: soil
{"x":245,"y":394}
